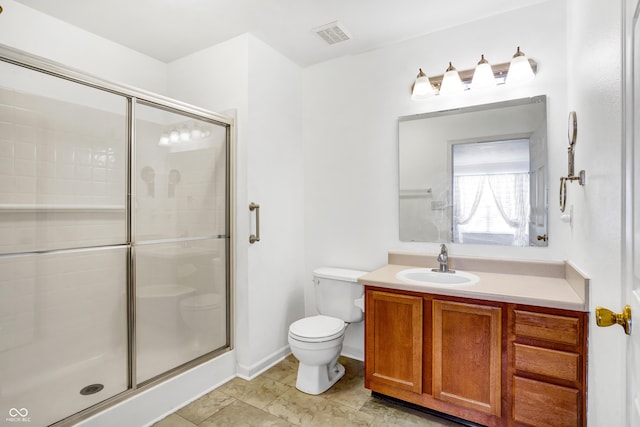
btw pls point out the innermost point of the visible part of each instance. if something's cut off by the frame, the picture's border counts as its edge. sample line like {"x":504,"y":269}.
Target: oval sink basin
{"x":426,"y":276}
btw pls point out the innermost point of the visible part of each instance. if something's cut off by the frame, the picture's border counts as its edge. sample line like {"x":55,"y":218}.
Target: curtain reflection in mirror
{"x":492,"y":209}
{"x":491,"y":198}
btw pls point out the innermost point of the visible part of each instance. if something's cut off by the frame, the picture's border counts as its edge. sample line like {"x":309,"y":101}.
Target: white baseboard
{"x":250,"y":372}
{"x":353,"y":353}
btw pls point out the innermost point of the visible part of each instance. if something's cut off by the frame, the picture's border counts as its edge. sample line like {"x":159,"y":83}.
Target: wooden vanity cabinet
{"x":491,"y":363}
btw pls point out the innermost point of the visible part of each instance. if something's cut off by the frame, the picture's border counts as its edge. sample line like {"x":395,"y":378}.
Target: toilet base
{"x":318,"y":379}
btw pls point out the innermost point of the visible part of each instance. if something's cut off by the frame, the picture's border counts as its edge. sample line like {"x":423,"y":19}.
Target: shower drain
{"x":91,"y":389}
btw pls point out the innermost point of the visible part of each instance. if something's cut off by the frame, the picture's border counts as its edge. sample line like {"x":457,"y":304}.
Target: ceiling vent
{"x":332,"y":33}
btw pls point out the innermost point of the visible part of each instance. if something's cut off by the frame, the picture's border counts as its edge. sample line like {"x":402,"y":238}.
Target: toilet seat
{"x":317,"y":329}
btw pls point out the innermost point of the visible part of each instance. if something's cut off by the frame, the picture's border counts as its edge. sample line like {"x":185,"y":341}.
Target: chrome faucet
{"x":443,"y":259}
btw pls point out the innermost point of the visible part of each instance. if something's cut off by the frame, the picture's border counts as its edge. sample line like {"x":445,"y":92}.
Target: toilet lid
{"x":316,"y":327}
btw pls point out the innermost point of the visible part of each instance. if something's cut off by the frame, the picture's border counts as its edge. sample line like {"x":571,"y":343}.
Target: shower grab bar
{"x":255,"y":237}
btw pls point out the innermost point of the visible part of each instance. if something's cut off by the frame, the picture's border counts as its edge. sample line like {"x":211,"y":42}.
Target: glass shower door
{"x":180,"y":238}
{"x":114,"y":240}
{"x":63,"y":246}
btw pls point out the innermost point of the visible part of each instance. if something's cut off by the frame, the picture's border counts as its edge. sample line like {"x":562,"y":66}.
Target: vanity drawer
{"x":540,"y":404}
{"x":551,"y":363}
{"x":547,"y":327}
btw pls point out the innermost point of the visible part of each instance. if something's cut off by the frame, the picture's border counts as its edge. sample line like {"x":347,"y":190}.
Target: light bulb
{"x":519,"y":69}
{"x":422,"y":87}
{"x":164,"y":140}
{"x":483,"y":75}
{"x":451,"y":82}
{"x":174,"y":136}
{"x":185,"y":135}
{"x":196,"y":133}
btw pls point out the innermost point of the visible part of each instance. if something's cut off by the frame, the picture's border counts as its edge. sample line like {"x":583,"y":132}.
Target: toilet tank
{"x":336,"y":291}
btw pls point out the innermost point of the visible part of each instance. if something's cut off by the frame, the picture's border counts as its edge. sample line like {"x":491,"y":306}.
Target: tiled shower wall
{"x":62,"y":174}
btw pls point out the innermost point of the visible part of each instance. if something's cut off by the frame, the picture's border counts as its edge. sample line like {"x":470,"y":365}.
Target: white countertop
{"x":529,"y":289}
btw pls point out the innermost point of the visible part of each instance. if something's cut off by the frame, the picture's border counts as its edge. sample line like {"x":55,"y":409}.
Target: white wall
{"x":29,"y":30}
{"x":276,"y":181}
{"x":351,"y":106}
{"x":595,"y":93}
{"x":264,"y":89}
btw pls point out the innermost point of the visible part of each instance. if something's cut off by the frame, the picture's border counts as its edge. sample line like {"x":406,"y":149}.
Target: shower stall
{"x":115,"y":240}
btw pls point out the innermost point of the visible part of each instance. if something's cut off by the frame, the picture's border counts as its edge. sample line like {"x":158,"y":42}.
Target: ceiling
{"x":170,"y":29}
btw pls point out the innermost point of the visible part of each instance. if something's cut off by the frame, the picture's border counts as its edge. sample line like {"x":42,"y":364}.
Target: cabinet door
{"x":393,"y":329}
{"x":466,"y":355}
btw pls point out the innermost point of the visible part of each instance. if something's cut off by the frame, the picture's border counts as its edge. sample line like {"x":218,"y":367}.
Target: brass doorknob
{"x":606,"y":317}
{"x":542,"y":237}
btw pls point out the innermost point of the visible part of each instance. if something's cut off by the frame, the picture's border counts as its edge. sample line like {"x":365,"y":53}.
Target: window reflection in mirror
{"x":491,"y":192}
{"x":475,"y":175}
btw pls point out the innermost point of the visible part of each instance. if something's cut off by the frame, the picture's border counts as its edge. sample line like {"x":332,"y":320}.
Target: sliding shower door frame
{"x":134,"y":96}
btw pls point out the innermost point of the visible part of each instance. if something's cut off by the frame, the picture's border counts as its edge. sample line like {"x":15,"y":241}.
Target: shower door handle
{"x":255,"y":237}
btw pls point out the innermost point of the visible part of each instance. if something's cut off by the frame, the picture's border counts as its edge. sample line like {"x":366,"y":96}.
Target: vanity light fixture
{"x":181,"y":135}
{"x":519,"y":69}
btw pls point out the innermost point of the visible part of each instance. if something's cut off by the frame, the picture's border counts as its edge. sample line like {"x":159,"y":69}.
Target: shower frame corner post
{"x":131,"y":261}
{"x":229,"y":225}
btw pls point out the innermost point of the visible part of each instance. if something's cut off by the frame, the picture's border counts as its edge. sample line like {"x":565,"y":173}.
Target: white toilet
{"x":317,"y":341}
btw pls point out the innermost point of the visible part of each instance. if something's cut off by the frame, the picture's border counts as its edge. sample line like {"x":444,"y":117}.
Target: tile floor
{"x":271,"y":399}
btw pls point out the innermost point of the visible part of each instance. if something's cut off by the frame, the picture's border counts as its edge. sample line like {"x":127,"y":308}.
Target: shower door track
{"x":134,"y":96}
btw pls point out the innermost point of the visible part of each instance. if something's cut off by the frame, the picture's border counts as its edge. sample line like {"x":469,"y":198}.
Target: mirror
{"x":475,"y":174}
